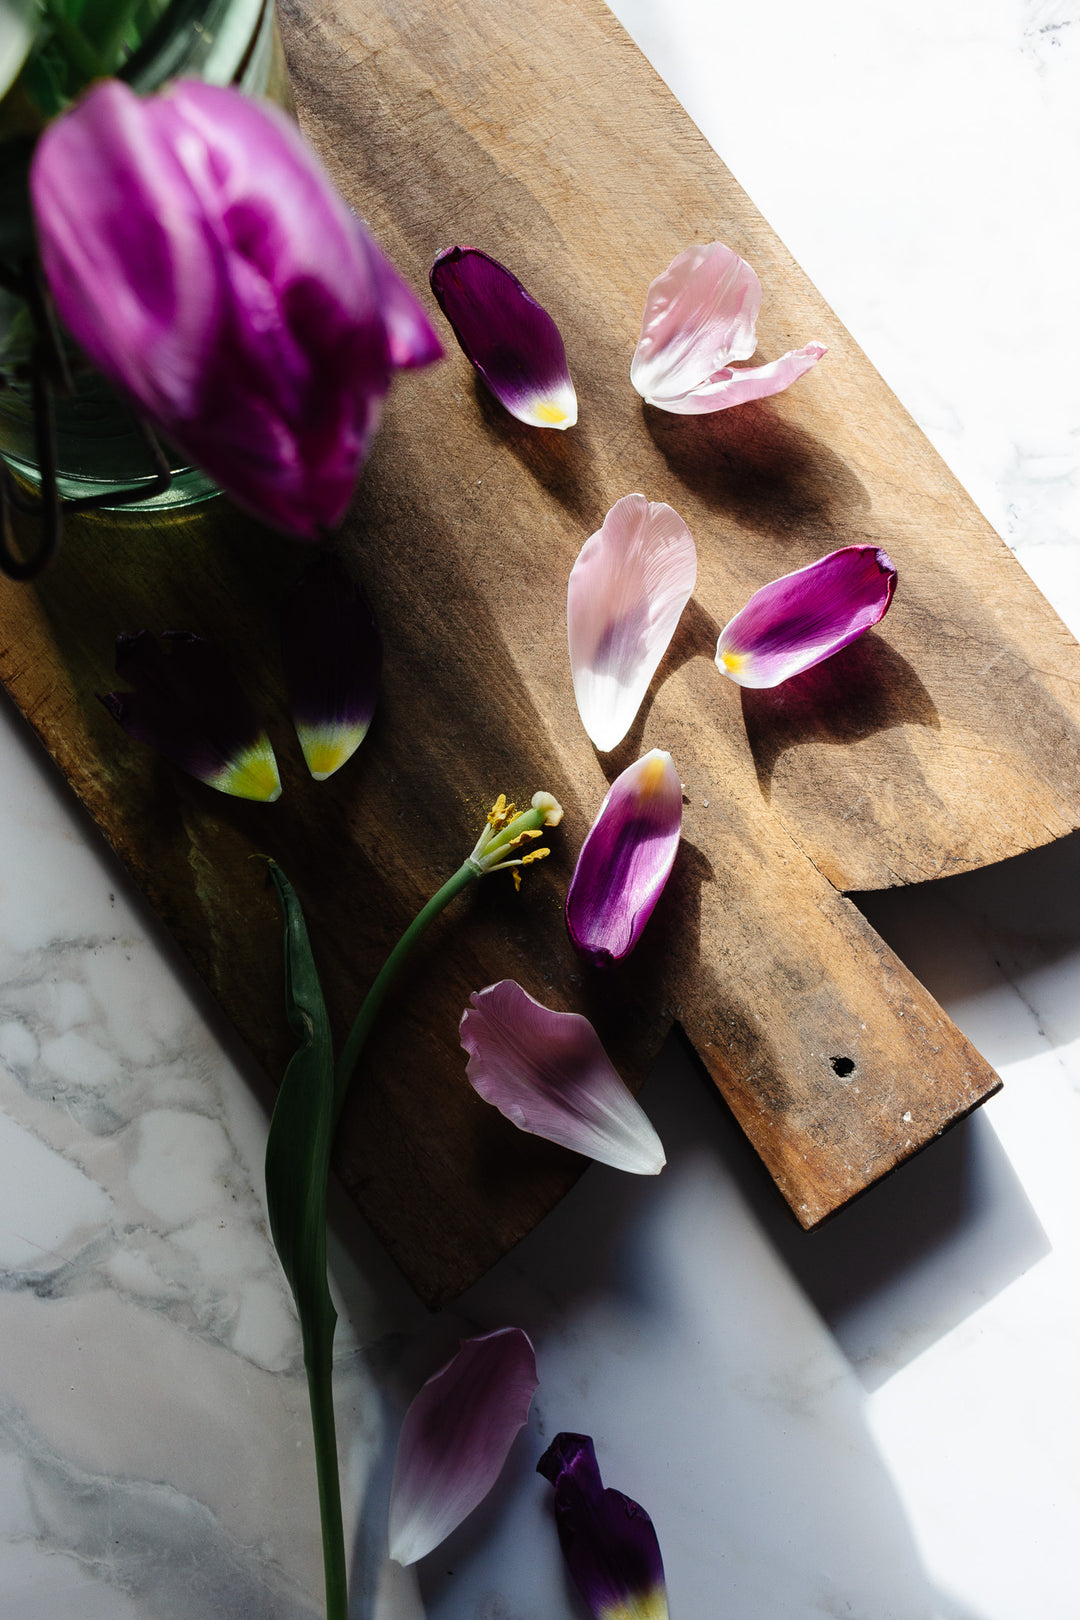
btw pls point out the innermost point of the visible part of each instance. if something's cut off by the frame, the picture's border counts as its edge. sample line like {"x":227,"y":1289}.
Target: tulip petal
{"x":735,"y":385}
{"x":627,"y":591}
{"x":700,"y":315}
{"x":412,"y":342}
{"x":131,"y":265}
{"x":332,"y":654}
{"x":198,"y":252}
{"x":797,"y":620}
{"x":455,"y":1439}
{"x":607,"y":1539}
{"x":510,"y":338}
{"x":187,"y":704}
{"x":548,"y":1073}
{"x":626,"y":859}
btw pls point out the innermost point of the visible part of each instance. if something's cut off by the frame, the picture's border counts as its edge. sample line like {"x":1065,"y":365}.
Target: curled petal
{"x":626,"y":859}
{"x":797,"y":620}
{"x":735,"y":385}
{"x":187,"y":704}
{"x":627,"y":591}
{"x":700,"y":315}
{"x":332,"y":653}
{"x":197,"y":250}
{"x":455,"y":1439}
{"x":548,"y":1073}
{"x":510,"y":338}
{"x":607,"y":1540}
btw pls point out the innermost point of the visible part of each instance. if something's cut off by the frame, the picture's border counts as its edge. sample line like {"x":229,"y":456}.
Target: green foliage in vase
{"x":75,"y":42}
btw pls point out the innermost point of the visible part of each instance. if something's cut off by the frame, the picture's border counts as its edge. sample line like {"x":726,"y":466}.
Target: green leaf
{"x":297,"y":1167}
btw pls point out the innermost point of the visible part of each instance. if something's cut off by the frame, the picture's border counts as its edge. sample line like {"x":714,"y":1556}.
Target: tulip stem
{"x":321,"y":1400}
{"x":389,"y":971}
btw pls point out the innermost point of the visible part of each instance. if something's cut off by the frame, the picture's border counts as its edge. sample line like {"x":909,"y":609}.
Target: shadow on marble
{"x":1015,"y":925}
{"x":918,"y":1253}
{"x":670,"y":1325}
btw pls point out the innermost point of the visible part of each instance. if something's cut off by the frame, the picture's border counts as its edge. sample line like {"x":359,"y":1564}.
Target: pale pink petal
{"x":734,"y":385}
{"x":794,"y":622}
{"x":548,"y":1073}
{"x":627,"y":590}
{"x":700,"y":316}
{"x":455,"y":1439}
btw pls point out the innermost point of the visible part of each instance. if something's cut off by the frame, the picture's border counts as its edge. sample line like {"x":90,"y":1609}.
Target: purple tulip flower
{"x":198,"y":252}
{"x":626,"y":859}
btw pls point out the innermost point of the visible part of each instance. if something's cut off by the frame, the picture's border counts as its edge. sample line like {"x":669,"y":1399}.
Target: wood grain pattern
{"x":942,"y":741}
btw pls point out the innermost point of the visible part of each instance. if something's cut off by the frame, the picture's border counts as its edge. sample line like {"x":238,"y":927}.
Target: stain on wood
{"x":945,"y":739}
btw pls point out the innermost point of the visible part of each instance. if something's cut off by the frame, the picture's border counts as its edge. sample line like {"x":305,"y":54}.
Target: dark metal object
{"x":49,"y":374}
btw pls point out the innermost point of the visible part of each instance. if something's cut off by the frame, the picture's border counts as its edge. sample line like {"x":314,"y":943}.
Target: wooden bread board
{"x":944,"y":740}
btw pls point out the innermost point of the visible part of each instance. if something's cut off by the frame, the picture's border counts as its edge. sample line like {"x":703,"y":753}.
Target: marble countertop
{"x":878,"y":1421}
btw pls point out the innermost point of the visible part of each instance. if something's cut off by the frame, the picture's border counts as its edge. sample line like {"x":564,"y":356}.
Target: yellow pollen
{"x":535,"y":855}
{"x":550,"y":413}
{"x":526,"y":832}
{"x":516,"y":875}
{"x":733,"y":661}
{"x":501,"y":812}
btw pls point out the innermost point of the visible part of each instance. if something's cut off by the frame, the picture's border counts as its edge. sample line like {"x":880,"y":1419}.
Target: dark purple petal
{"x":607,"y":1540}
{"x":187,"y":704}
{"x":626,"y":859}
{"x":332,"y":653}
{"x":455,"y":1439}
{"x":548,"y":1073}
{"x":510,"y":338}
{"x":793,"y":623}
{"x":197,"y":250}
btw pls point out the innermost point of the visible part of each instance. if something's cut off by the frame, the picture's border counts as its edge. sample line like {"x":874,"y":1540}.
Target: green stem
{"x":319,"y":1365}
{"x":388,"y":973}
{"x":76,"y":47}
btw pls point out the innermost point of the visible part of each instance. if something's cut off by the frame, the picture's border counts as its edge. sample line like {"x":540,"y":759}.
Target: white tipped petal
{"x":548,"y":1074}
{"x":455,"y":1439}
{"x":627,"y":591}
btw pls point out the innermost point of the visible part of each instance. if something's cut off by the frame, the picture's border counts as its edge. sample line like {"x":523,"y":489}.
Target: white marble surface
{"x":880,"y":1421}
